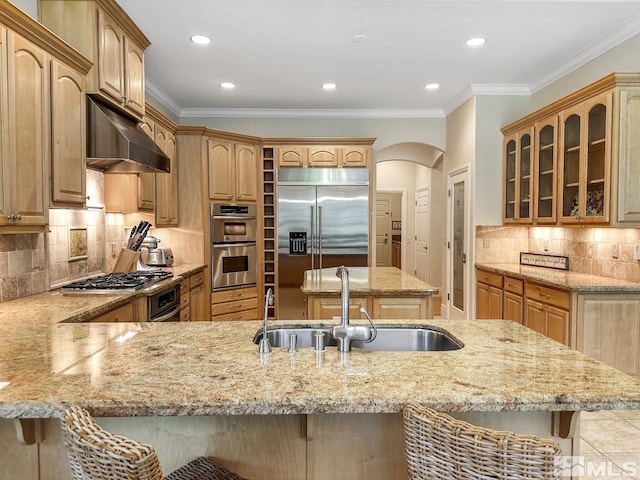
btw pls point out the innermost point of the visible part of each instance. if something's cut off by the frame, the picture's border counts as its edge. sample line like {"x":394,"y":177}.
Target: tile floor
{"x":610,"y":444}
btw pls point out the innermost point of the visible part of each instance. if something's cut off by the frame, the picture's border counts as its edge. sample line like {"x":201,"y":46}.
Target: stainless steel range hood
{"x":115,"y":144}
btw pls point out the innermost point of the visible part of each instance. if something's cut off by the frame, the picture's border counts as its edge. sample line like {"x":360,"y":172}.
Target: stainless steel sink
{"x":390,"y":338}
{"x":410,"y":338}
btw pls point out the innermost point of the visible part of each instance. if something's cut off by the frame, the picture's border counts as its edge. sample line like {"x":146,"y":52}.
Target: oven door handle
{"x":167,"y":316}
{"x":248,"y":243}
{"x":234,"y":217}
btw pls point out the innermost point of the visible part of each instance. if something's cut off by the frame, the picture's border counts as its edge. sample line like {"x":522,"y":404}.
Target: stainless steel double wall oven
{"x":234,"y":260}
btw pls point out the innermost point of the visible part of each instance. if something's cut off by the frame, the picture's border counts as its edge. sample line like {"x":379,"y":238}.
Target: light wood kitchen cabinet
{"x":68,"y":133}
{"x":327,"y":308}
{"x":25,"y":135}
{"x":106,"y":35}
{"x":292,"y":156}
{"x":401,"y":307}
{"x":596,"y":176}
{"x":585,"y":161}
{"x":193,"y":299}
{"x":185,"y":300}
{"x":146,"y":192}
{"x":513,"y":301}
{"x":545,"y":167}
{"x":322,"y":156}
{"x":166,"y":183}
{"x":608,"y":329}
{"x":354,"y":156}
{"x":518,"y":177}
{"x":488,"y":295}
{"x":235,"y":304}
{"x":547,"y":311}
{"x":232,"y":171}
{"x":125,"y":313}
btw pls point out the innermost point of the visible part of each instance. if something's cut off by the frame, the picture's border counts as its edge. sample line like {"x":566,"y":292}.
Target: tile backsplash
{"x":597,"y":251}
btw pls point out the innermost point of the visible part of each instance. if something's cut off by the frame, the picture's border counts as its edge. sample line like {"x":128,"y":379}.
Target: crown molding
{"x":303,"y":113}
{"x":151,"y":88}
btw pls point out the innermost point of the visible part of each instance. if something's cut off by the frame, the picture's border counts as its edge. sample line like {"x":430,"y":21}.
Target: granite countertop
{"x":214,"y":368}
{"x":383,"y":281}
{"x":54,"y":306}
{"x":576,"y":282}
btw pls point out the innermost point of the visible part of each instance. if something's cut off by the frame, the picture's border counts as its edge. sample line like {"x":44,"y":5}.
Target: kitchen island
{"x":202,"y":388}
{"x":385,"y":292}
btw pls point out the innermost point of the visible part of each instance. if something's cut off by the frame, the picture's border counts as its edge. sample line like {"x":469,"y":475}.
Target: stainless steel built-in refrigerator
{"x":323,"y":220}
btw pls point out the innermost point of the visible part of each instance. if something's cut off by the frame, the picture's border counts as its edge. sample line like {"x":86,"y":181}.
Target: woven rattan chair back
{"x":95,"y":454}
{"x":439,"y":447}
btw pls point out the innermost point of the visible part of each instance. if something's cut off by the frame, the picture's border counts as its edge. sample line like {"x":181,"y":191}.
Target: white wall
{"x":29,"y":6}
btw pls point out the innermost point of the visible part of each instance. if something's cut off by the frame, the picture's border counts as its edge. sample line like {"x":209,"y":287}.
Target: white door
{"x":383,"y":231}
{"x":423,"y":221}
{"x":458,"y":244}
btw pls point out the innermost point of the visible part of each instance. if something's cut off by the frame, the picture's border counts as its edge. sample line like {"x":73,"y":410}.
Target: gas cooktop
{"x":117,"y":282}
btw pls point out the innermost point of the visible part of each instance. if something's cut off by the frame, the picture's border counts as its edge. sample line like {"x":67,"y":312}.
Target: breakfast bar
{"x":202,"y":388}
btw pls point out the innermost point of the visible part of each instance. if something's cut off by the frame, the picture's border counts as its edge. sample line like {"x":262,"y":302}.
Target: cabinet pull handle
{"x":544,"y":295}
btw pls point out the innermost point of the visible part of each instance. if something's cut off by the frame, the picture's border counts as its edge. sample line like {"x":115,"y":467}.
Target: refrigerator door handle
{"x":320,"y":234}
{"x":312,"y":240}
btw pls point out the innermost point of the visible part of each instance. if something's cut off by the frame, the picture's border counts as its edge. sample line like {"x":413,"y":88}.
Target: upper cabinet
{"x":233,"y":170}
{"x":102,"y":31}
{"x":322,"y":152}
{"x":585,"y":158}
{"x":518,"y":168}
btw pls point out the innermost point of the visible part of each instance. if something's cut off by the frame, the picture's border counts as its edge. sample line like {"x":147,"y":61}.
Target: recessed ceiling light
{"x":201,"y":40}
{"x":359,"y":38}
{"x":432,"y":86}
{"x":476,"y":41}
{"x":227,"y":85}
{"x":329,"y":86}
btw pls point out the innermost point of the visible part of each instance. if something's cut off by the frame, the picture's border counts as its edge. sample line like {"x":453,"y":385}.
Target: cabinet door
{"x":147,"y":191}
{"x":198,"y":304}
{"x":292,"y":156}
{"x":557,"y":324}
{"x":28,"y":148}
{"x":110,"y":58}
{"x":513,"y":307}
{"x":535,"y":317}
{"x":68,"y":125}
{"x":628,"y":171}
{"x":354,"y":156}
{"x":488,"y":302}
{"x":518,"y":177}
{"x":4,"y":151}
{"x":134,"y":77}
{"x":545,"y":171}
{"x":323,"y":156}
{"x":326,"y":308}
{"x":167,"y":183}
{"x":246,"y":172}
{"x":402,"y":308}
{"x":510,"y":169}
{"x":585,"y":161}
{"x":221,"y":170}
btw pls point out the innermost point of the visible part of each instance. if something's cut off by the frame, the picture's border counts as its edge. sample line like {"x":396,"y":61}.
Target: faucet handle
{"x":375,"y":330}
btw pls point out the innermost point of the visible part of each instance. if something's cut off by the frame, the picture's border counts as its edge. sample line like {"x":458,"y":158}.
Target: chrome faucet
{"x":346,"y":333}
{"x":265,"y":346}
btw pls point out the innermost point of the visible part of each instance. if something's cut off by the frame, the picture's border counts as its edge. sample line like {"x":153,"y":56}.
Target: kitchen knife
{"x":141,"y":235}
{"x":131,"y":240}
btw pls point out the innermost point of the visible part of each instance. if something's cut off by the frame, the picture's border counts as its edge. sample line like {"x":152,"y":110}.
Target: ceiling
{"x":278,"y":53}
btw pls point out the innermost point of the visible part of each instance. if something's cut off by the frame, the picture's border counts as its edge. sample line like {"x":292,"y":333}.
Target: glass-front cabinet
{"x":545,"y":171}
{"x":518,"y":178}
{"x":585,"y":161}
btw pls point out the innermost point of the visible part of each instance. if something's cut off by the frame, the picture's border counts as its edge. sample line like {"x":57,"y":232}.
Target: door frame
{"x":403,"y":219}
{"x":453,"y":177}
{"x":428,"y":239}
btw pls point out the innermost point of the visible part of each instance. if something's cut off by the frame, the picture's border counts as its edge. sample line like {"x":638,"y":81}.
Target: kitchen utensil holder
{"x":127,"y":261}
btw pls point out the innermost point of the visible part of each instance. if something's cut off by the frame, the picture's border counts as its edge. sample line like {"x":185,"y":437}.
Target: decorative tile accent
{"x":77,"y":244}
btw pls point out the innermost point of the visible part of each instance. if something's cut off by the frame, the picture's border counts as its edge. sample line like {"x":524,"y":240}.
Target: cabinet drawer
{"x":235,"y":306}
{"x":548,"y":295}
{"x":185,"y":314}
{"x":513,"y":285}
{"x":493,"y":279}
{"x":120,"y":314}
{"x":243,"y":315}
{"x":196,"y":279}
{"x":235,"y":294}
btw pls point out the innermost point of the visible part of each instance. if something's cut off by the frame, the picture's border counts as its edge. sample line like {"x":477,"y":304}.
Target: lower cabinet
{"x":124,"y":313}
{"x":513,"y":301}
{"x":488,"y":295}
{"x":193,"y":299}
{"x":547,"y":320}
{"x":235,"y":304}
{"x":383,"y":308}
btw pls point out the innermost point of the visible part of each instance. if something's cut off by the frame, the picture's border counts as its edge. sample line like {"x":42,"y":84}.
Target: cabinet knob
{"x":13,"y":216}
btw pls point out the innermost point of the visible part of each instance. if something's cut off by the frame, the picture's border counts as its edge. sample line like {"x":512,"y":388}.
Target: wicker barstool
{"x":439,"y":447}
{"x":95,"y":454}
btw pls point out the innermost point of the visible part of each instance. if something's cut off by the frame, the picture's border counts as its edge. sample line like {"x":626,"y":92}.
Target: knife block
{"x":127,"y":261}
